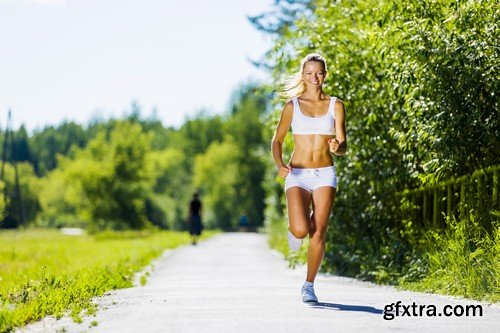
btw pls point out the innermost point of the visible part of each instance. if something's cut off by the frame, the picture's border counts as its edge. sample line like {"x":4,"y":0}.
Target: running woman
{"x":318,"y":128}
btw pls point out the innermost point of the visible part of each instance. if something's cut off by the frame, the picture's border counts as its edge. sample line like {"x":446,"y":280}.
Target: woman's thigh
{"x":323,"y":199}
{"x":298,"y":202}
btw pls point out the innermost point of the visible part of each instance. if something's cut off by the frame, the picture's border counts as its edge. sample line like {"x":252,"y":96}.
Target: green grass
{"x":464,"y":260}
{"x":43,"y":272}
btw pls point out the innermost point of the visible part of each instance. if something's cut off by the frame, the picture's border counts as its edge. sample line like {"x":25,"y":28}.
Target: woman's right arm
{"x":279,"y":137}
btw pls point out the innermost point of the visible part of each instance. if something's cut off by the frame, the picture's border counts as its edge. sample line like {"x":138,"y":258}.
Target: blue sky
{"x":75,"y":59}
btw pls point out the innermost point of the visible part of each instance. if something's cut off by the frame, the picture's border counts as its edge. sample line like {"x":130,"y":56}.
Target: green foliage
{"x":461,"y":260}
{"x":453,"y":107}
{"x":12,"y":208}
{"x":109,"y":179}
{"x":43,"y":147}
{"x":46,"y":273}
{"x":20,"y":150}
{"x":197,"y":134}
{"x":172,"y":187}
{"x":46,"y":144}
{"x":245,"y":126}
{"x":17,"y":148}
{"x":3,"y":202}
{"x":56,"y":209}
{"x":231,"y":173}
{"x":242,"y":129}
{"x":216,"y":174}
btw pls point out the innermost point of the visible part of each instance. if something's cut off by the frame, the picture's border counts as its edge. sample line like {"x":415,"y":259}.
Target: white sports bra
{"x":302,"y":124}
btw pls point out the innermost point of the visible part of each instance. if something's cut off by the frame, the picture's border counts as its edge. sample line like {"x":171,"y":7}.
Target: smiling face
{"x":314,"y":73}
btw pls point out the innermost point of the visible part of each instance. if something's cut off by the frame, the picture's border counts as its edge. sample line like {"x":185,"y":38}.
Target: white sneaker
{"x":293,"y":242}
{"x":308,"y":294}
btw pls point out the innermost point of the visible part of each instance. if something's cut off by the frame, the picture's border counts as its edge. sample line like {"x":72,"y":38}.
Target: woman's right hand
{"x":284,"y":170}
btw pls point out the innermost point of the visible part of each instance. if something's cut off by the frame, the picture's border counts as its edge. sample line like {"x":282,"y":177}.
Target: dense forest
{"x":420,"y":83}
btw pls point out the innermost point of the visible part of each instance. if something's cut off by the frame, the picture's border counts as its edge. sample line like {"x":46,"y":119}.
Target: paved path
{"x":235,"y":283}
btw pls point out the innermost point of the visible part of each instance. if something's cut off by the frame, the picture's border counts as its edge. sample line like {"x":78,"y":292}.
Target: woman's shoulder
{"x":339,"y":107}
{"x":287,"y":111}
{"x":337,"y":100}
{"x":289,"y":104}
{"x":291,"y":100}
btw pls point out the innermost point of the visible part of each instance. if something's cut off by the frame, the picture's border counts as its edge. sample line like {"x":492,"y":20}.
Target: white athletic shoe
{"x":293,"y":242}
{"x":308,"y":294}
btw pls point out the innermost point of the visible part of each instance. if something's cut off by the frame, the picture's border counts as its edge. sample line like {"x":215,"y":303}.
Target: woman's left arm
{"x":338,"y":146}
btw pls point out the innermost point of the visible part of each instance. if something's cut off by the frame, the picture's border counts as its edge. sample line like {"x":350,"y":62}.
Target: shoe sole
{"x":310,"y":301}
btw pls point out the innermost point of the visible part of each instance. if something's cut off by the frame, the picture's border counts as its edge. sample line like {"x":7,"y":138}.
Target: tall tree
{"x":111,"y":178}
{"x":249,"y":106}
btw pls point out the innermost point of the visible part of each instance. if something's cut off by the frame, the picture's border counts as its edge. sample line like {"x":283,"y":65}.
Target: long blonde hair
{"x":294,"y":86}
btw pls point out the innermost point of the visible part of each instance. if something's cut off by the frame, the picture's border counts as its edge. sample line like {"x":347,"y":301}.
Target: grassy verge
{"x":463,"y":260}
{"x":43,"y":272}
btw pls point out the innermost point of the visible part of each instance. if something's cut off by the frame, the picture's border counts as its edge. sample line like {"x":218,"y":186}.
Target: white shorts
{"x":311,"y":179}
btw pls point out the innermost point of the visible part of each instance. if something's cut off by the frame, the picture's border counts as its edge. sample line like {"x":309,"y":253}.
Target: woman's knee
{"x":319,"y":232}
{"x":299,"y":231}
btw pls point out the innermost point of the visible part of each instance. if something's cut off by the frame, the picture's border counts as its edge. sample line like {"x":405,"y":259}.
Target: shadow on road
{"x":345,"y":307}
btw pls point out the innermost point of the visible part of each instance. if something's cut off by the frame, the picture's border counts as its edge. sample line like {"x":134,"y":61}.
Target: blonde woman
{"x":318,"y":127}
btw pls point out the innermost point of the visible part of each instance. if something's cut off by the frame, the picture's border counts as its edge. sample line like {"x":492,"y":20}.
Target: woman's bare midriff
{"x":311,"y":151}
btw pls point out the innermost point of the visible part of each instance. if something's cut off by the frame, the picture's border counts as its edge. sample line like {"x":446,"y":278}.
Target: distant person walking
{"x":243,"y":221}
{"x":318,"y":127}
{"x":195,"y":224}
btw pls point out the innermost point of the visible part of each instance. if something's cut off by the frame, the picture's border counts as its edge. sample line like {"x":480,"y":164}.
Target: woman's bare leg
{"x":323,"y":199}
{"x":298,"y":201}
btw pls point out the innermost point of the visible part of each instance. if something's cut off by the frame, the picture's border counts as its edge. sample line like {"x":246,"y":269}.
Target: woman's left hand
{"x":334,"y":145}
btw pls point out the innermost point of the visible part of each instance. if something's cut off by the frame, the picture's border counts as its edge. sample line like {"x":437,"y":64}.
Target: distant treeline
{"x":133,"y":172}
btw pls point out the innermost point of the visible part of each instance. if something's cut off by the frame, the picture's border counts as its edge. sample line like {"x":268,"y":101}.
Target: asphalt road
{"x":233,"y":282}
